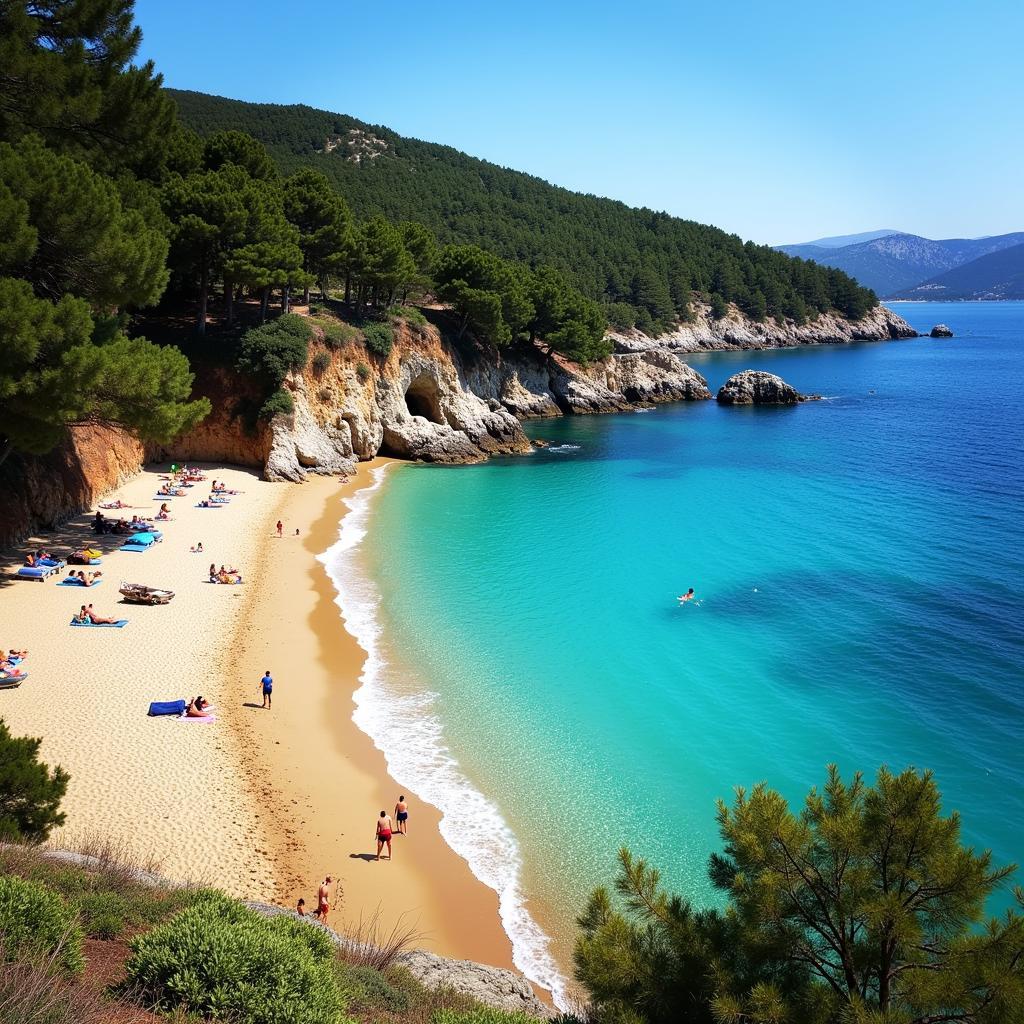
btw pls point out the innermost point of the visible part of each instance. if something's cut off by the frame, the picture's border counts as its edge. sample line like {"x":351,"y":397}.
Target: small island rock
{"x":755,"y":387}
{"x":941,"y":331}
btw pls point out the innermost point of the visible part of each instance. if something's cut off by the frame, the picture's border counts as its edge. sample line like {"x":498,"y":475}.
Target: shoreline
{"x":316,"y":780}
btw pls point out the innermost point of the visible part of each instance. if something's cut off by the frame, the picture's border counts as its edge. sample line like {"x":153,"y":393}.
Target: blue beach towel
{"x":132,"y":546}
{"x":99,"y":625}
{"x":166,"y":707}
{"x":69,"y":583}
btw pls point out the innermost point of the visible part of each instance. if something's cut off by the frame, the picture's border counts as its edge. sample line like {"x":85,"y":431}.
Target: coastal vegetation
{"x":619,"y":256}
{"x":30,"y":791}
{"x":126,"y":206}
{"x":863,"y":907}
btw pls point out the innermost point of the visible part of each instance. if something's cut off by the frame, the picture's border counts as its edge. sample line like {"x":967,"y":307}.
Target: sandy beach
{"x":262,"y":803}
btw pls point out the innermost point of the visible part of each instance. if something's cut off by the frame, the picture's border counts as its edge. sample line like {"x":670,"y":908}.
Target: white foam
{"x":470,"y":823}
{"x":565,"y":448}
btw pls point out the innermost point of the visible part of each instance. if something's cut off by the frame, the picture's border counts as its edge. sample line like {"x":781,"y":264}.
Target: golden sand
{"x":261,"y":803}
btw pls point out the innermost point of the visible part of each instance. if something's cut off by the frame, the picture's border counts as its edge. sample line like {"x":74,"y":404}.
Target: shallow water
{"x":857,"y":564}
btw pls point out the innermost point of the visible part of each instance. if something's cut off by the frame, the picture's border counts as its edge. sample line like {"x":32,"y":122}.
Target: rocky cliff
{"x":427,"y":400}
{"x":735,"y":331}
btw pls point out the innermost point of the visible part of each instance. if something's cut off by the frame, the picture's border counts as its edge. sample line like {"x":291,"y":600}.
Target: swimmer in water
{"x":688,"y":596}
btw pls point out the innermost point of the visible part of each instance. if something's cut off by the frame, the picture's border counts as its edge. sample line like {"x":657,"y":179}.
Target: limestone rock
{"x":755,"y":387}
{"x":941,"y":331}
{"x":494,"y":986}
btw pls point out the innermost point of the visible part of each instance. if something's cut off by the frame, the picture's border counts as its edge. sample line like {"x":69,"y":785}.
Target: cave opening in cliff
{"x":422,"y":399}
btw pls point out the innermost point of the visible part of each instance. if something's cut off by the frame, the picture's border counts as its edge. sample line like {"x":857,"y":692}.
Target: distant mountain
{"x":998,"y":275}
{"x":892,"y":264}
{"x":838,"y":241}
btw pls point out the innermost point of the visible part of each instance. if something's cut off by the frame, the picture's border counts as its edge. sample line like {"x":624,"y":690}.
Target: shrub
{"x":410,"y":314}
{"x":315,"y":308}
{"x":379,"y":338}
{"x":368,"y":989}
{"x":719,"y":307}
{"x":337,"y":334}
{"x":280,"y":401}
{"x":621,"y":315}
{"x":363,"y":372}
{"x":320,"y":362}
{"x":480,"y":1015}
{"x":37,"y":922}
{"x":324,"y":394}
{"x":30,"y":793}
{"x":103,"y":914}
{"x":270,"y":351}
{"x":219,"y":959}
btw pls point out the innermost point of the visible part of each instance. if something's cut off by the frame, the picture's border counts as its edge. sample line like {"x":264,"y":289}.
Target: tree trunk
{"x":286,"y":298}
{"x":229,"y":304}
{"x":204,"y":295}
{"x":348,"y":287}
{"x":305,"y":295}
{"x":264,"y":302}
{"x":6,"y":450}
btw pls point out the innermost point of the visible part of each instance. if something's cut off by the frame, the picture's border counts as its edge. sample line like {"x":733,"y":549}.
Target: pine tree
{"x":30,"y":792}
{"x":323,"y":221}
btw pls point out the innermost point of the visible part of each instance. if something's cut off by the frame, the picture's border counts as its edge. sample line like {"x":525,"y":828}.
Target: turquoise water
{"x":858,"y":564}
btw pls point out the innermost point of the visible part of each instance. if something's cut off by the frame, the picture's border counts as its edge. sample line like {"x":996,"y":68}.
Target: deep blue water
{"x":858,"y":563}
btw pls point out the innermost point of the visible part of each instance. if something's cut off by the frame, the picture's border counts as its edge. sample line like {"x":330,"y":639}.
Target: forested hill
{"x":641,"y":264}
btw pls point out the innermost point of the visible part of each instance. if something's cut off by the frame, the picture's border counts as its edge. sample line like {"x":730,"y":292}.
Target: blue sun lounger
{"x":37,"y":572}
{"x":120,"y":624}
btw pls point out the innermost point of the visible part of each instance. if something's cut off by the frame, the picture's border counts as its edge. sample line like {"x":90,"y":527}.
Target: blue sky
{"x":781,"y":121}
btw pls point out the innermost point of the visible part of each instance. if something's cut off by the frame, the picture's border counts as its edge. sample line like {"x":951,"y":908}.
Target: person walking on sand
{"x":280,"y":528}
{"x":323,"y":900}
{"x":402,"y":816}
{"x":384,"y":828}
{"x":267,"y":683}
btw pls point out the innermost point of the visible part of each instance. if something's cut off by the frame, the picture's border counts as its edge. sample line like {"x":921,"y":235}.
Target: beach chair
{"x":166,"y":707}
{"x":37,"y":572}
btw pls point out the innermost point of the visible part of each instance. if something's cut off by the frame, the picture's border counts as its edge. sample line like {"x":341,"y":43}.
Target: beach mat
{"x":207,"y":718}
{"x":135,"y":547}
{"x":120,"y":624}
{"x":67,"y":583}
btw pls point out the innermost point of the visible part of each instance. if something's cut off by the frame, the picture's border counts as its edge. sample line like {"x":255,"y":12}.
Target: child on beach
{"x":300,"y":907}
{"x":267,"y":683}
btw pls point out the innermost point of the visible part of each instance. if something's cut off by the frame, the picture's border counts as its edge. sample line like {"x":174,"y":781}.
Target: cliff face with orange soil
{"x":40,"y":492}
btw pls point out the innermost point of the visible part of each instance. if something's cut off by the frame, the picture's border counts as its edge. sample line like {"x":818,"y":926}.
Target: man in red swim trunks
{"x":384,"y":828}
{"x":323,"y":896}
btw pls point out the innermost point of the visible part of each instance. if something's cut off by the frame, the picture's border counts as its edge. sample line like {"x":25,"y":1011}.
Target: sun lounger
{"x":166,"y":707}
{"x":10,"y":682}
{"x":37,"y":572}
{"x":99,"y":625}
{"x":72,"y":583}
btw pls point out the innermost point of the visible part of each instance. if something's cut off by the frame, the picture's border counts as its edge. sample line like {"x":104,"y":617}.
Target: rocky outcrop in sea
{"x":755,"y":387}
{"x":941,"y":331}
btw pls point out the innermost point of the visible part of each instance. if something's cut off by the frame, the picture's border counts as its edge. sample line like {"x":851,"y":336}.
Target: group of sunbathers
{"x":87,"y":615}
{"x":83,"y":579}
{"x":41,"y":559}
{"x":223,"y":575}
{"x":10,"y":664}
{"x":101,"y":524}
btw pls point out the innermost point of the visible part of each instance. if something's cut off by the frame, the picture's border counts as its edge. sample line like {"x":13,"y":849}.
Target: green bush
{"x":280,"y":401}
{"x":621,"y":315}
{"x":363,"y":372}
{"x":37,"y":922}
{"x":219,"y":959}
{"x":320,"y":362}
{"x":337,"y":334}
{"x":379,"y":338}
{"x":315,"y":308}
{"x":103,"y":914}
{"x":410,"y":314}
{"x":480,"y":1015}
{"x":270,"y":351}
{"x":369,"y":989}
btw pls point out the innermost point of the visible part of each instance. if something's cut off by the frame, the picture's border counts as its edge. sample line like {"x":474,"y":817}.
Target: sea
{"x":857,"y":564}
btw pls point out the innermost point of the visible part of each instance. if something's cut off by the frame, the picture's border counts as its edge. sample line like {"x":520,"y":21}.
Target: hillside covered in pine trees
{"x":642,"y":265}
